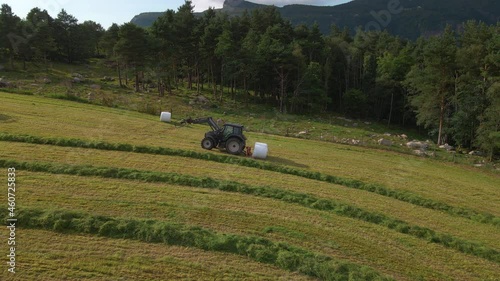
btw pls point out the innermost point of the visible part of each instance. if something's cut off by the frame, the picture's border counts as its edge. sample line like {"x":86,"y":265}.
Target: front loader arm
{"x":205,"y":120}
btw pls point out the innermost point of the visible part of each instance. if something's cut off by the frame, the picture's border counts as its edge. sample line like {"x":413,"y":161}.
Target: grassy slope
{"x":390,"y":252}
{"x":46,"y":255}
{"x":354,"y":240}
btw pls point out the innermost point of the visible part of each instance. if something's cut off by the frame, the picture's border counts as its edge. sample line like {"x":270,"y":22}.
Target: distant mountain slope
{"x":232,"y":7}
{"x":146,"y":19}
{"x":415,"y":17}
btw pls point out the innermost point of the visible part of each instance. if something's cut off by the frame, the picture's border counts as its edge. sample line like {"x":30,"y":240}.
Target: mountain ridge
{"x":406,"y":18}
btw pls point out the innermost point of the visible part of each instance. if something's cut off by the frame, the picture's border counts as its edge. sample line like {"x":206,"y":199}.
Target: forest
{"x":448,"y":84}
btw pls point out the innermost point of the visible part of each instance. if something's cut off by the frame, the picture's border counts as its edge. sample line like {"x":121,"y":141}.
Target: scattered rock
{"x":430,"y":153}
{"x":107,"y":79}
{"x":345,"y":119}
{"x":403,"y":136}
{"x":478,"y":165}
{"x":199,"y":100}
{"x":476,"y":153}
{"x":417,"y":145}
{"x":355,"y":142}
{"x":355,"y":124}
{"x":347,"y":141}
{"x":77,"y":75}
{"x":302,"y":133}
{"x":419,"y":152}
{"x":385,"y":142}
{"x":368,"y":123}
{"x":5,"y":84}
{"x":46,"y":81}
{"x":387,"y":134}
{"x":202,"y":99}
{"x":446,"y":147}
{"x":91,"y":97}
{"x":77,"y":80}
{"x":95,"y":87}
{"x":221,"y":122}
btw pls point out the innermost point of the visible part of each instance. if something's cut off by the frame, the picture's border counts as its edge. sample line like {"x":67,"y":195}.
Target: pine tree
{"x":10,"y":35}
{"x":432,"y":85}
{"x":133,"y":48}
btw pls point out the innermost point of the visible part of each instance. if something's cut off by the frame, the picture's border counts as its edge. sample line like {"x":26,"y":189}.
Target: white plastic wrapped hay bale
{"x":166,"y":117}
{"x":260,"y":150}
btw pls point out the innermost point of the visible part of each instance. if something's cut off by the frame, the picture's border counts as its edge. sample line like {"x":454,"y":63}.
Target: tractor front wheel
{"x":234,"y":146}
{"x":208,"y":143}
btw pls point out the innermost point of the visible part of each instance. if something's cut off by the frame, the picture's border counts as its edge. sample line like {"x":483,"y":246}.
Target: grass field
{"x":53,"y":256}
{"x":322,"y":231}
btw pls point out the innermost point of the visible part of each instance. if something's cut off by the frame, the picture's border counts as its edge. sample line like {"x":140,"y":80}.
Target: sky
{"x":107,"y":12}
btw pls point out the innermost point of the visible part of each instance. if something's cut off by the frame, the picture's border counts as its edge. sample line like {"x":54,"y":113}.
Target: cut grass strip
{"x":303,"y":199}
{"x":262,"y":250}
{"x":53,"y":256}
{"x":404,"y":196}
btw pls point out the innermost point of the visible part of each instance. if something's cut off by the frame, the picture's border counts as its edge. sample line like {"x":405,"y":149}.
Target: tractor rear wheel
{"x":208,"y":143}
{"x":234,"y":146}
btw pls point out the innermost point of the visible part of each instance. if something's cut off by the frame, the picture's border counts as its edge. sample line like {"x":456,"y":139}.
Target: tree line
{"x":449,"y":83}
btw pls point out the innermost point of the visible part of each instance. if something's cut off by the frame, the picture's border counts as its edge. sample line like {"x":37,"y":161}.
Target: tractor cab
{"x":232,"y":130}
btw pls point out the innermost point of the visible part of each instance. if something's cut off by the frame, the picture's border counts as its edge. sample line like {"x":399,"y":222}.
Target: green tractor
{"x":230,"y":137}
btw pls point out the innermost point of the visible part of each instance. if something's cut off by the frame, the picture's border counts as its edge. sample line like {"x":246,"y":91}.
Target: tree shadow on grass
{"x":287,"y":162}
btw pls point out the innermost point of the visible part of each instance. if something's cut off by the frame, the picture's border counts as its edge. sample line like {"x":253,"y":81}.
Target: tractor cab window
{"x":228,"y":130}
{"x":237,"y":131}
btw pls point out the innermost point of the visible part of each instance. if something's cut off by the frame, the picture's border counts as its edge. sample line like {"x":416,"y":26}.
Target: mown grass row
{"x":262,"y":250}
{"x":302,"y":199}
{"x":404,"y":196}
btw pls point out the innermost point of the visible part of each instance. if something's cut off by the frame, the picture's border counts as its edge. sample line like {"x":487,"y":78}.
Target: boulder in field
{"x":419,"y":152}
{"x":107,"y":79}
{"x":90,"y":97}
{"x":417,"y":145}
{"x":355,"y":142}
{"x":6,"y":84}
{"x":476,"y":153}
{"x":385,"y":142}
{"x":430,"y":153}
{"x":446,"y":147}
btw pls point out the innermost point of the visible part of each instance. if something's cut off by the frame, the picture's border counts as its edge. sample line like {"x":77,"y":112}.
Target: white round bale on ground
{"x":260,"y":151}
{"x":166,"y":117}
